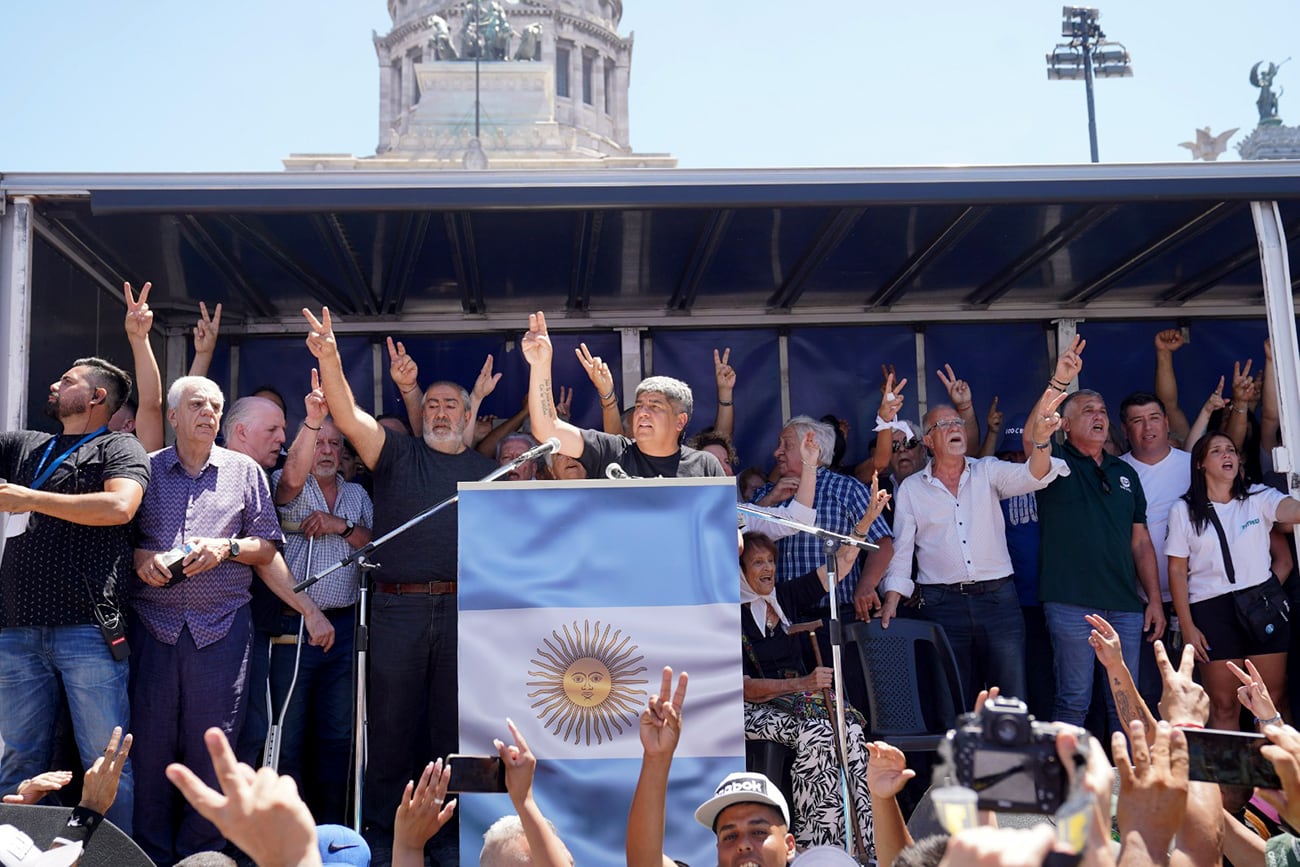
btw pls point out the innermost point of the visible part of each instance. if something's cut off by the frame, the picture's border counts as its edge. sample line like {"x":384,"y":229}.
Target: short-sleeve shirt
{"x":44,"y":576}
{"x":600,"y":449}
{"x":228,"y":499}
{"x":409,"y":478}
{"x":1086,"y":520}
{"x":340,"y":588}
{"x":1246,"y":524}
{"x":1163,"y":483}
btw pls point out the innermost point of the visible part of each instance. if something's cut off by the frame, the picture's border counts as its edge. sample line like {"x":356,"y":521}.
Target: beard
{"x":59,"y":409}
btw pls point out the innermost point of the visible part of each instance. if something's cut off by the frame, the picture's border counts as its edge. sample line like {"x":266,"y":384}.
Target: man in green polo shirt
{"x":1095,"y":548}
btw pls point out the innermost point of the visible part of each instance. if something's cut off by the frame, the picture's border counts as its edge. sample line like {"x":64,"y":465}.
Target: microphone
{"x":614,"y":471}
{"x":552,"y":444}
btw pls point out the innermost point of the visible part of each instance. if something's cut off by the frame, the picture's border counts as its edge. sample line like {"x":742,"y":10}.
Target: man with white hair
{"x":509,"y":449}
{"x":193,"y":633}
{"x":663,"y":408}
{"x":841,"y":502}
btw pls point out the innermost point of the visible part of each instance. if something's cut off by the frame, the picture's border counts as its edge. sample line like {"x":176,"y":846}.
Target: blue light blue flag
{"x":573,"y":597}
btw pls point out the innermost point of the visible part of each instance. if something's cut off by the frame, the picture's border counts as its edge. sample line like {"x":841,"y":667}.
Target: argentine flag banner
{"x":573,"y":597}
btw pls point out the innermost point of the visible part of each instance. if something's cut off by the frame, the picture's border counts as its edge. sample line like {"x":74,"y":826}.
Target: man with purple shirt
{"x":192,"y":636}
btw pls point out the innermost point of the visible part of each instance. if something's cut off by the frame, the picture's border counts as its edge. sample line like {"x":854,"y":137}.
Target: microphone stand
{"x":361,"y":557}
{"x":831,"y":541}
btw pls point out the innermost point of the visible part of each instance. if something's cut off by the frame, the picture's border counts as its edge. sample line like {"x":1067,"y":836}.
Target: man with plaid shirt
{"x":841,"y":501}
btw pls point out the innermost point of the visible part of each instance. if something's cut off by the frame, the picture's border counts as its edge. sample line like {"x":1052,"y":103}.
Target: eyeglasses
{"x":905,"y":445}
{"x":946,"y":424}
{"x":1103,"y":479}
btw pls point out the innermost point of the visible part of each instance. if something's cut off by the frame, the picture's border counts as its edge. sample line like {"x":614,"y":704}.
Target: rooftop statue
{"x":485,"y":32}
{"x":442,"y":48}
{"x":1262,"y":76}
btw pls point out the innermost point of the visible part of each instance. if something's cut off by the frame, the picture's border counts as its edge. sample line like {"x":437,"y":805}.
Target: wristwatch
{"x":348,"y":532}
{"x":234,"y":548}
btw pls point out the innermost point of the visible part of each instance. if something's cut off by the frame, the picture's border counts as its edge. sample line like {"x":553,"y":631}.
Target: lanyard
{"x":43,"y":474}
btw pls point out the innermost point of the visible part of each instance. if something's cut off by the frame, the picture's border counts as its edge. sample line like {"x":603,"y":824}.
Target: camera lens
{"x":1006,"y":729}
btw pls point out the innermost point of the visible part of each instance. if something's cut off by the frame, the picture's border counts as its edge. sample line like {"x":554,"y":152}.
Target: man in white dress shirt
{"x":948,"y":515}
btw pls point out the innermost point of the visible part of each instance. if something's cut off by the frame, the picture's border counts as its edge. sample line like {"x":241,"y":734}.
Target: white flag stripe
{"x":502,"y":647}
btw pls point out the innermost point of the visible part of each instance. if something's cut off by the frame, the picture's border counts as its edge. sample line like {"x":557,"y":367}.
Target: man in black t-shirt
{"x":69,"y":501}
{"x":663,"y":407}
{"x":413,"y":612}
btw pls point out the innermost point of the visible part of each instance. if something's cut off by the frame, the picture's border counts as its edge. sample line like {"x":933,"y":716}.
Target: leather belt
{"x":977,"y":588}
{"x":427,"y":588}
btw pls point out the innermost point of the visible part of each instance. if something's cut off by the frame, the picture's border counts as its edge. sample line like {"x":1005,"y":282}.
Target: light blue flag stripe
{"x":552,"y":537}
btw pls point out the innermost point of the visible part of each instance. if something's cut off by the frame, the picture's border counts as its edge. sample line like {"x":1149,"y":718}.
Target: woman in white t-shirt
{"x":1199,"y":580}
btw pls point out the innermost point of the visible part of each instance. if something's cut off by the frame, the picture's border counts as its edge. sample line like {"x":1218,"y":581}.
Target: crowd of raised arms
{"x":150,"y":589}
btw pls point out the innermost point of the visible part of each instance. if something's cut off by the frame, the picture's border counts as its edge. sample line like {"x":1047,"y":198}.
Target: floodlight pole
{"x":478,"y":56}
{"x":1092,"y":108}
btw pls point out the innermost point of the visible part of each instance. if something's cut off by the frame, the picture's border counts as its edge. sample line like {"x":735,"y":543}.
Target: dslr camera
{"x":1008,"y":758}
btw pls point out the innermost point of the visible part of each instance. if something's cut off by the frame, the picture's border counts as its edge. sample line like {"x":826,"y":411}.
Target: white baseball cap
{"x":741,"y":788}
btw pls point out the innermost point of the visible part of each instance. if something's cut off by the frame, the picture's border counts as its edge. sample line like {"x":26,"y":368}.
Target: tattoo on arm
{"x":548,"y":400}
{"x":1123,"y":707}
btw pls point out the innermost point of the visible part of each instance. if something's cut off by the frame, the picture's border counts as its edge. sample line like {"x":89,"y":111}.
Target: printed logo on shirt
{"x":1022,"y":509}
{"x":1125,"y":483}
{"x":1251,"y":522}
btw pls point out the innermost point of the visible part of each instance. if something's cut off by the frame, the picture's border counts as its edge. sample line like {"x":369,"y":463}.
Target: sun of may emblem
{"x":586,"y":685}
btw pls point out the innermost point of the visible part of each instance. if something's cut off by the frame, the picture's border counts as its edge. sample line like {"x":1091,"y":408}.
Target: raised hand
{"x":206,"y":330}
{"x":1047,"y":424}
{"x":520,"y":765}
{"x":891,"y":394}
{"x":1070,"y":361}
{"x":258,"y":811}
{"x":1153,"y":785}
{"x":1252,"y":693}
{"x":402,"y":368}
{"x":887,"y":770}
{"x":1183,"y":701}
{"x":661,"y":721}
{"x":1104,"y":641}
{"x":314,"y":403}
{"x":994,"y":418}
{"x":486,"y":382}
{"x":536,"y":344}
{"x":597,"y":371}
{"x":139,"y":318}
{"x":1215,"y":401}
{"x":1169,"y":340}
{"x":423,"y":809}
{"x":99,"y":789}
{"x":320,"y":339}
{"x":723,"y":373}
{"x":564,"y":405}
{"x":1243,"y":384}
{"x":809,"y":452}
{"x":879,"y":500}
{"x":958,"y":389}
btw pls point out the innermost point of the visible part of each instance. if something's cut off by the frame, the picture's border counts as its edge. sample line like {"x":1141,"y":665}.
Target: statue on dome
{"x":440,"y":45}
{"x":530,"y":43}
{"x":485,"y":32}
{"x":1261,"y":76}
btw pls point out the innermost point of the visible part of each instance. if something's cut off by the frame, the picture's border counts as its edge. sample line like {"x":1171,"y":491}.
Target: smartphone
{"x":1231,"y":758}
{"x":476,"y":774}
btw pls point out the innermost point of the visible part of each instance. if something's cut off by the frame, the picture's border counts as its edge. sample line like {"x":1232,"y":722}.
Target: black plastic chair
{"x":772,"y":760}
{"x":914,"y":693}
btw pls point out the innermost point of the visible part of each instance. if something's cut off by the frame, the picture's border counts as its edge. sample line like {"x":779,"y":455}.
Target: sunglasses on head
{"x":1103,"y":479}
{"x":905,"y":445}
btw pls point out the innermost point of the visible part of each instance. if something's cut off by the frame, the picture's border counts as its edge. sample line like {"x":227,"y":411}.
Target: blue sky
{"x":160,"y":85}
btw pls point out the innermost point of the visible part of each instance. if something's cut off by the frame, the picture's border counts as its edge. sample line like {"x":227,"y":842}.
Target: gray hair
{"x":677,"y":392}
{"x":823,"y":436}
{"x":528,"y":439}
{"x":464,"y":395}
{"x":241,"y":410}
{"x":504,"y":843}
{"x":180,"y":386}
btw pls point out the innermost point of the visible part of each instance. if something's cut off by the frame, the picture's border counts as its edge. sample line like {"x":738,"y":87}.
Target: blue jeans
{"x":987,"y":634}
{"x":322,"y":705}
{"x":32,"y":659}
{"x":1075,"y":659}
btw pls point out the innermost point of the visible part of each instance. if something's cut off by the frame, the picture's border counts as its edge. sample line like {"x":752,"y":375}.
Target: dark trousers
{"x":412,"y":702}
{"x":252,"y":734}
{"x":987,"y":634}
{"x":179,"y":691}
{"x":316,"y":740}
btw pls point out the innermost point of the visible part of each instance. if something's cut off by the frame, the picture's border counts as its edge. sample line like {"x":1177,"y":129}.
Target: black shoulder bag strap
{"x":1223,"y":543}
